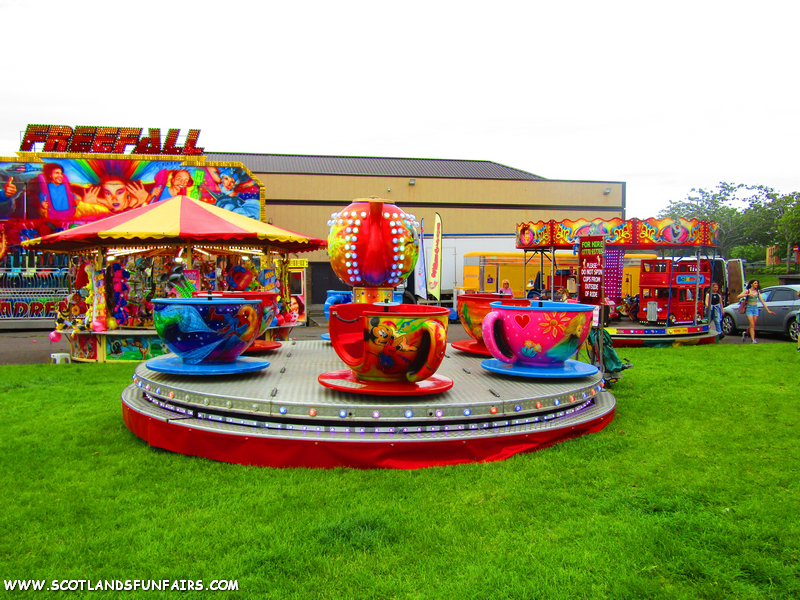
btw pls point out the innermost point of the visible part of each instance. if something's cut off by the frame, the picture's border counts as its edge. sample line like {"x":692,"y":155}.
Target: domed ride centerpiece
{"x":373,"y":247}
{"x":390,"y":348}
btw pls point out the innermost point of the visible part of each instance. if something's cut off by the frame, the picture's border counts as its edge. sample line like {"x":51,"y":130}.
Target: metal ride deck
{"x":628,"y":335}
{"x":283,"y":417}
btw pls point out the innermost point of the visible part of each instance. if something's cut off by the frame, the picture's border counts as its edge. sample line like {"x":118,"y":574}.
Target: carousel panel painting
{"x":37,"y":198}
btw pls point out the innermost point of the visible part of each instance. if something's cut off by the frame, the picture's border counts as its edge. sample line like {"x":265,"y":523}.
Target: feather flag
{"x":435,"y":269}
{"x":420,"y":275}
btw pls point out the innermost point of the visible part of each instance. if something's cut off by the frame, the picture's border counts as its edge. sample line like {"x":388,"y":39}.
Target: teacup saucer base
{"x":471,"y":346}
{"x":174,"y":366}
{"x":345,"y":381}
{"x":263,"y":346}
{"x":569,"y":370}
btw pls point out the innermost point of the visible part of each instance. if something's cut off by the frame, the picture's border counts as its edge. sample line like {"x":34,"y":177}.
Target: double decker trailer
{"x":672,"y":292}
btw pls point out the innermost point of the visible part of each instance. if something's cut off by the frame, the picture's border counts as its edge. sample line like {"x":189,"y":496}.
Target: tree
{"x":747,"y":215}
{"x":718,"y":206}
{"x":789,"y":224}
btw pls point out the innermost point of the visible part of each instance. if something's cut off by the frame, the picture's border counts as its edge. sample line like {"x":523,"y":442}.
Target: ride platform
{"x":282,"y":417}
{"x":633,"y":334}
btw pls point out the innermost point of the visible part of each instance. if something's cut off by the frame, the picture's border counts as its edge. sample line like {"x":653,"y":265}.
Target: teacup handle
{"x":335,"y":331}
{"x":437,"y":348}
{"x":488,"y":337}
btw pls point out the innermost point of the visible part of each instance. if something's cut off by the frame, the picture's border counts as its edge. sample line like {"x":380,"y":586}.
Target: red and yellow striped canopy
{"x":176,"y":221}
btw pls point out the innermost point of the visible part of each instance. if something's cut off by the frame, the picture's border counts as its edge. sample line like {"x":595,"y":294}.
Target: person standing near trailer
{"x":714,"y":304}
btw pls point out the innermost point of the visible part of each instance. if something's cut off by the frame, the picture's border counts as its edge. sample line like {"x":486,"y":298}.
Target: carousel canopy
{"x":177,"y":221}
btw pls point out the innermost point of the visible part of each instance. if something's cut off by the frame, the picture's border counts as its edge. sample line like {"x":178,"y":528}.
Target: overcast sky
{"x":665,"y":97}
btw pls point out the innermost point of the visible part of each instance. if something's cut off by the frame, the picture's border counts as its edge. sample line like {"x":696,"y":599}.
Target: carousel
{"x":125,"y":265}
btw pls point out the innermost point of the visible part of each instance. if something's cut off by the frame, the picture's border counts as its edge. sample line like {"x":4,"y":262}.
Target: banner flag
{"x":435,"y":269}
{"x":420,"y":279}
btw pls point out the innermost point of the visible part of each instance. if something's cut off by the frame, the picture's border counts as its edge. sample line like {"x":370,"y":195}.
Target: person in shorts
{"x":753,"y":294}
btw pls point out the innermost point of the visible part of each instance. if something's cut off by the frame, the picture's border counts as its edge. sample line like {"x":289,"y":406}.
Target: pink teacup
{"x":541,"y":334}
{"x":472,"y":310}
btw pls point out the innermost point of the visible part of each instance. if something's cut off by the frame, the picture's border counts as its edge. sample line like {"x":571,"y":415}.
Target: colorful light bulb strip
{"x":499,"y":426}
{"x":361,"y":414}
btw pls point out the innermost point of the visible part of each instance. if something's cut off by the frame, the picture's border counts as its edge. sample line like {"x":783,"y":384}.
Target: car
{"x":782,"y":300}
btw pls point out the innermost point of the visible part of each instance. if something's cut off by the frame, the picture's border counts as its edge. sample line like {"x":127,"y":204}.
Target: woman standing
{"x":506,"y":289}
{"x":753,"y":295}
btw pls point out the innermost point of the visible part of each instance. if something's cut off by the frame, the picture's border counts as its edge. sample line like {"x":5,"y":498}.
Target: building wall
{"x":304,"y":203}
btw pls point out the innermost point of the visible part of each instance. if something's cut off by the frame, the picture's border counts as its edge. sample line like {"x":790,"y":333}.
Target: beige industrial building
{"x":477,"y":200}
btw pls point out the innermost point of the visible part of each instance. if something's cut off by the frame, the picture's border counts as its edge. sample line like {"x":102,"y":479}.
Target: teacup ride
{"x":207,"y":335}
{"x":537,"y":340}
{"x":375,"y":413}
{"x":269,"y":306}
{"x":472,"y":309}
{"x":391,"y":349}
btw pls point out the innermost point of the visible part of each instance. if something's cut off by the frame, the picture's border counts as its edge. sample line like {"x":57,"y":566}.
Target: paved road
{"x":27,"y":347}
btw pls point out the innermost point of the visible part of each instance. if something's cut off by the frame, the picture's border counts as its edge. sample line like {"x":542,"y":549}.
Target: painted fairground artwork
{"x":633,"y":233}
{"x":676,"y":231}
{"x":37,"y":198}
{"x":83,"y":346}
{"x":30,"y":308}
{"x":392,"y":344}
{"x":616,"y":231}
{"x":134,"y":347}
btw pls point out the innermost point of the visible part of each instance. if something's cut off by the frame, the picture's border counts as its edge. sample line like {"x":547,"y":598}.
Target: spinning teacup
{"x":389,"y":348}
{"x":207,"y":330}
{"x":269,"y":306}
{"x":542,"y":335}
{"x":269,"y":302}
{"x":472,"y":310}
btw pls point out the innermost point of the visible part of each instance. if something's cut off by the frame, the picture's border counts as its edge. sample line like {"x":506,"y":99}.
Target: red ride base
{"x":345,"y":381}
{"x":471,"y":346}
{"x":289,"y":453}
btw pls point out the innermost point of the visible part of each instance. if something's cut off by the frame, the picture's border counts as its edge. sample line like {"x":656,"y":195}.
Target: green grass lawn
{"x":691,"y":492}
{"x":765,"y":280}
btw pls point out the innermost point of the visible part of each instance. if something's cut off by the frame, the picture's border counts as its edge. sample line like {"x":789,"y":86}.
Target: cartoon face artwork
{"x":379,"y":334}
